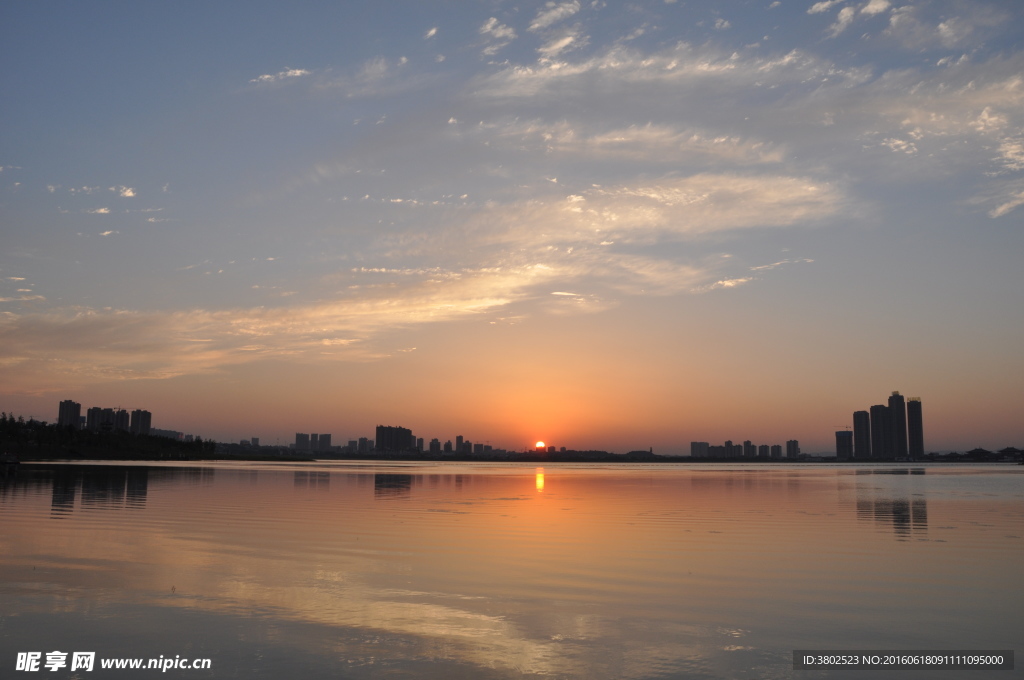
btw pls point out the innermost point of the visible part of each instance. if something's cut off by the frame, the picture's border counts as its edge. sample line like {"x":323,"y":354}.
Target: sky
{"x":602,"y":225}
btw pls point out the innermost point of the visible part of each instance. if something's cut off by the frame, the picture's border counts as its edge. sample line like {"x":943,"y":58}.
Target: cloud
{"x":123,"y":191}
{"x":556,"y":46}
{"x":99,"y":211}
{"x":1011,"y":153}
{"x":724,"y":283}
{"x":875,"y":7}
{"x":378,"y":76}
{"x":109,"y":344}
{"x":23,"y":298}
{"x":844,"y":19}
{"x":722,"y":24}
{"x":620,"y":67}
{"x":650,"y":143}
{"x":553,"y":13}
{"x":431,"y":33}
{"x":500,"y":34}
{"x":824,"y":6}
{"x":1010,"y":196}
{"x":281,"y":75}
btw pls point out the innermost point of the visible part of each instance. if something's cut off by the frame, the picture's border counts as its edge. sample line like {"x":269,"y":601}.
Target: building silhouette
{"x":391,"y":438}
{"x":69,"y":414}
{"x":861,"y":435}
{"x":898,"y":421}
{"x":141,"y":422}
{"x":792,"y":449}
{"x":915,"y":428}
{"x":844,"y":444}
{"x":881,"y":439}
{"x":889,"y":431}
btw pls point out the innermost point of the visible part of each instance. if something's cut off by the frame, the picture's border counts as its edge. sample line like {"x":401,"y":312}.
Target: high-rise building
{"x":365,"y":445}
{"x":255,"y":441}
{"x":122,"y":421}
{"x":699,"y":449}
{"x":898,"y":420}
{"x":915,"y":428}
{"x":776,"y":450}
{"x":881,"y":439}
{"x":844,"y":444}
{"x":141,"y":421}
{"x":861,"y":435}
{"x":391,"y":438}
{"x":792,"y":449}
{"x":419,"y":444}
{"x":69,"y":414}
{"x":100,"y":419}
{"x":301,"y":441}
{"x":435,"y":445}
{"x":749,"y":450}
{"x":763,"y":451}
{"x":325,"y":442}
{"x":458,"y":443}
{"x":314,"y":442}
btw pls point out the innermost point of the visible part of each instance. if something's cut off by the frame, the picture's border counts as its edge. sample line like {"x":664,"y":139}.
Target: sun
{"x":540,"y":445}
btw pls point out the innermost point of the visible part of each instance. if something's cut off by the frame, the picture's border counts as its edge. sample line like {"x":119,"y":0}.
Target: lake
{"x":490,"y":570}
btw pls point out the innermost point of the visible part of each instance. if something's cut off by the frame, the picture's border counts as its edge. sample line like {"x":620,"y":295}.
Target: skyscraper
{"x":898,"y":420}
{"x":861,"y":435}
{"x":141,"y":421}
{"x":391,"y":438}
{"x":844,"y":444}
{"x":881,"y":440}
{"x":792,"y":449}
{"x":915,"y":428}
{"x":70,"y":414}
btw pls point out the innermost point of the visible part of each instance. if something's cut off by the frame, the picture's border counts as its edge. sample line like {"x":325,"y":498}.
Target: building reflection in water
{"x":390,"y":485}
{"x":96,"y":486}
{"x":891,"y":497}
{"x":313,"y":480}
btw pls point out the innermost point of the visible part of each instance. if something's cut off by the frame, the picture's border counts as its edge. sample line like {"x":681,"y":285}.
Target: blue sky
{"x":610,"y":225}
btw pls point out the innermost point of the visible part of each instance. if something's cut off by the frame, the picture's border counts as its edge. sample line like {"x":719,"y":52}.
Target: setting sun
{"x":540,"y":445}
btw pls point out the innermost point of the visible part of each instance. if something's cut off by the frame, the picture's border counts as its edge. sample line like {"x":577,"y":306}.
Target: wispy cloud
{"x":281,"y":75}
{"x":553,"y":13}
{"x":651,"y":143}
{"x":843,"y":20}
{"x":823,"y":6}
{"x":430,"y":33}
{"x":498,"y":33}
{"x":563,"y":43}
{"x":123,"y":191}
{"x":119,"y":344}
{"x":876,"y":7}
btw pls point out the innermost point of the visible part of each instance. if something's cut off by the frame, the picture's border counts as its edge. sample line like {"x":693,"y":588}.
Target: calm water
{"x":506,"y":571}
